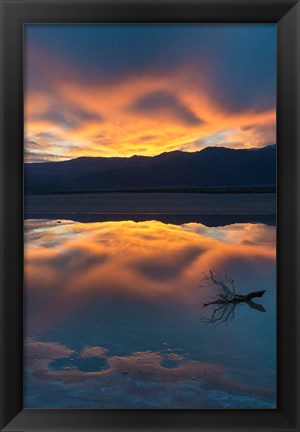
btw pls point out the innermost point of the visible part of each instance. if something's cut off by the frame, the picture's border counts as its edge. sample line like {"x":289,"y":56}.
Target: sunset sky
{"x":120,"y":90}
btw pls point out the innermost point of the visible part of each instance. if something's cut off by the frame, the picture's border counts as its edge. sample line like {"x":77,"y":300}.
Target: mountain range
{"x":212,"y":167}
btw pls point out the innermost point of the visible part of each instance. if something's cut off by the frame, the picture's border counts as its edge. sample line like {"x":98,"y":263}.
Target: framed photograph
{"x":150,"y":215}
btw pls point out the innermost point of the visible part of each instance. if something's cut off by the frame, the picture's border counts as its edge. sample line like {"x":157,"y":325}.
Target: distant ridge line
{"x":172,"y":152}
{"x":211,"y":170}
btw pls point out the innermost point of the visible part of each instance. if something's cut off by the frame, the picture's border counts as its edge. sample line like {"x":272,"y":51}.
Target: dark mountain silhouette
{"x":212,"y":167}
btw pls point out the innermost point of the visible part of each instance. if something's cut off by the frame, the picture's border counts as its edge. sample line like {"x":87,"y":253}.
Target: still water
{"x":114,"y":315}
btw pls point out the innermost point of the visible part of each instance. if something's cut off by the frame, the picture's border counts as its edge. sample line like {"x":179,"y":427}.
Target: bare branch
{"x":226,"y":300}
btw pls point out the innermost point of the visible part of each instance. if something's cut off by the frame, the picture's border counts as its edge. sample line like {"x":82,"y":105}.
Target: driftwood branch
{"x":237,"y":298}
{"x":224,"y":303}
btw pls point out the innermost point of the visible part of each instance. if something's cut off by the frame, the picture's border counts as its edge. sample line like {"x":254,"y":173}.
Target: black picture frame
{"x":286,"y":13}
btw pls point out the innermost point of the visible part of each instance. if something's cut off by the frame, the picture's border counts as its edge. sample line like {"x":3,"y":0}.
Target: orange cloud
{"x":144,"y":114}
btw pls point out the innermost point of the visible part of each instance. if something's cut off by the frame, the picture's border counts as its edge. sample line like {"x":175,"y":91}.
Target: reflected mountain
{"x":209,"y":220}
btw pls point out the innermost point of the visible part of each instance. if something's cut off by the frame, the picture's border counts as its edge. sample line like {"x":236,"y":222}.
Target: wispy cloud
{"x":74,"y":110}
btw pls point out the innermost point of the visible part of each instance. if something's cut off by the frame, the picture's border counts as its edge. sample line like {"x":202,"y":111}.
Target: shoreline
{"x":205,"y":190}
{"x":173,"y":205}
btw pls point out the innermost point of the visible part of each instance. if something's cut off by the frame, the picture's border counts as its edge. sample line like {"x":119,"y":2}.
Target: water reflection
{"x":114,"y":308}
{"x":226,"y":299}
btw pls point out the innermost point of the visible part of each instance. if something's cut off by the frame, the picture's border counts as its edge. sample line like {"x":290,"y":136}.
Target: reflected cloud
{"x":243,"y":233}
{"x":80,"y":263}
{"x":170,"y":368}
{"x":166,"y":268}
{"x":93,"y":351}
{"x":113,"y":309}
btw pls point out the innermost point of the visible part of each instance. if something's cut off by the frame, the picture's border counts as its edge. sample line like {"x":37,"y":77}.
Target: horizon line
{"x":146,"y":156}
